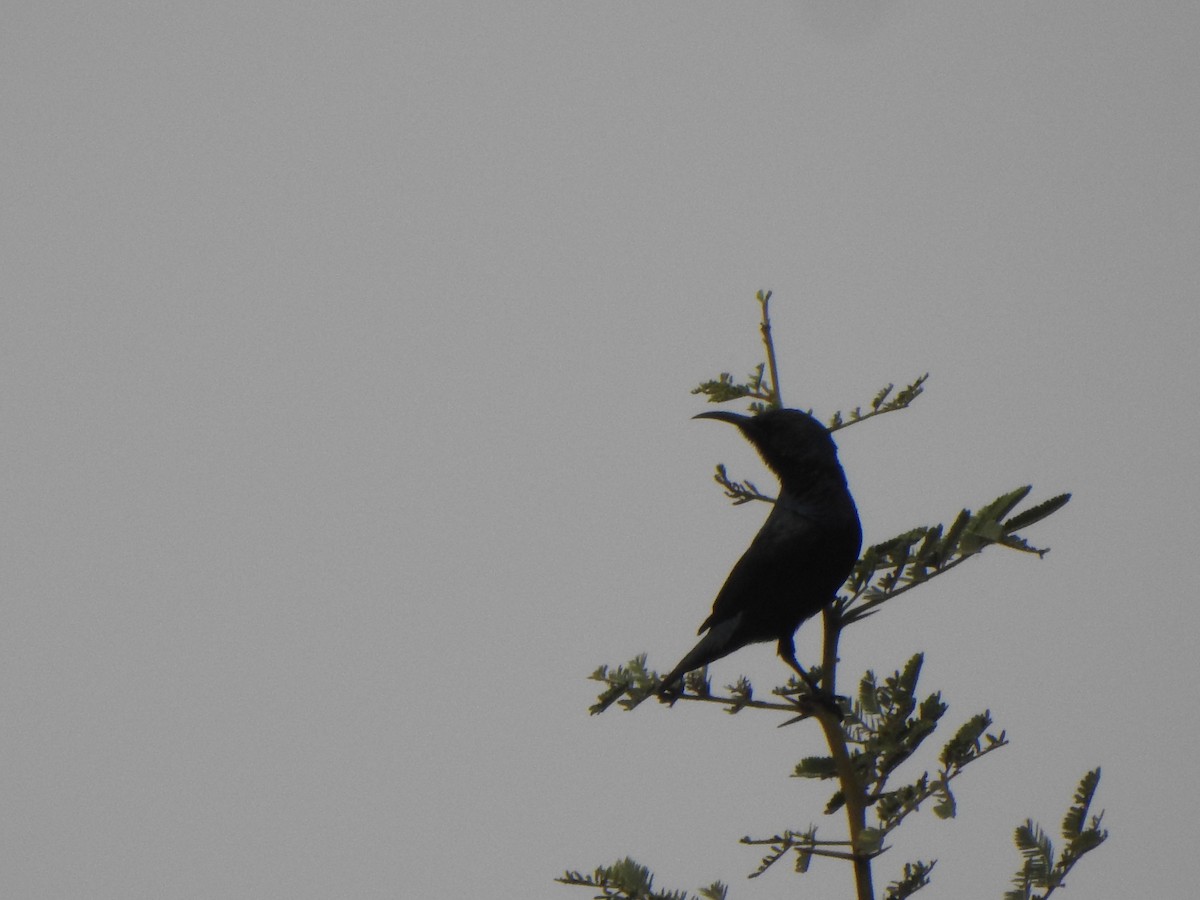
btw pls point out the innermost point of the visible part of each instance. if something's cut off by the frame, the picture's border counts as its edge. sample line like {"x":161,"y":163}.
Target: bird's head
{"x":792,"y":443}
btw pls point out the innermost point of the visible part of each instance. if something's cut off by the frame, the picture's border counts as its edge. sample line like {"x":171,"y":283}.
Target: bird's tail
{"x":717,"y":642}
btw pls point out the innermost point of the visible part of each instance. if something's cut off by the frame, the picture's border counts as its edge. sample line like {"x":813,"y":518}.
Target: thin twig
{"x":765,"y":299}
{"x":731,"y":701}
{"x":865,"y":608}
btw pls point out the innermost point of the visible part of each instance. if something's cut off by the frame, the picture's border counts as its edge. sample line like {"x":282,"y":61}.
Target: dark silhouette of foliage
{"x":878,"y":734}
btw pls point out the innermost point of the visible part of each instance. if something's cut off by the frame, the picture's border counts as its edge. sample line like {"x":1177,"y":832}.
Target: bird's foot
{"x":820,"y":700}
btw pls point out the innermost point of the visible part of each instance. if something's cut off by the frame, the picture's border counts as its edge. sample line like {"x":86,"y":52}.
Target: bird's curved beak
{"x":722,"y":415}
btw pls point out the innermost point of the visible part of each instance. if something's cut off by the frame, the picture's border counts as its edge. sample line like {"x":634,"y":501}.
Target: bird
{"x":800,"y":557}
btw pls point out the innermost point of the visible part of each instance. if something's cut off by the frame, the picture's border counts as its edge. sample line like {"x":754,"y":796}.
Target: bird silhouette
{"x":801,"y":555}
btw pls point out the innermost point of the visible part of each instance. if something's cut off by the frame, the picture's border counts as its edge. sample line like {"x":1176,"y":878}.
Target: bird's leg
{"x":787,"y":650}
{"x":818,"y":694}
{"x":812,"y":683}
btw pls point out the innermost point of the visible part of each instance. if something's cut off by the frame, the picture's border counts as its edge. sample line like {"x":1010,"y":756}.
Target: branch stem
{"x":852,"y":790}
{"x":731,"y":701}
{"x":764,"y":298}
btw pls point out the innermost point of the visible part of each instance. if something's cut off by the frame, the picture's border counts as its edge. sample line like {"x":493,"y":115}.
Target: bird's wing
{"x":790,"y":570}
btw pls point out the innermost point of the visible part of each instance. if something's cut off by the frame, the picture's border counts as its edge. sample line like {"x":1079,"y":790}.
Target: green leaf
{"x":916,"y":876}
{"x":822,"y":767}
{"x":961,"y":748}
{"x":623,"y":880}
{"x":1088,"y":840}
{"x":946,"y":807}
{"x":836,"y":802}
{"x":984,"y":527}
{"x":722,"y":389}
{"x":912,"y":671}
{"x":1036,"y":513}
{"x":1038,"y":851}
{"x":870,"y":840}
{"x":868,"y":694}
{"x":882,"y":402}
{"x":1039,"y":869}
{"x":1076,"y":816}
{"x":949,"y":544}
{"x":1004,"y":504}
{"x":881,"y":396}
{"x":715,"y":891}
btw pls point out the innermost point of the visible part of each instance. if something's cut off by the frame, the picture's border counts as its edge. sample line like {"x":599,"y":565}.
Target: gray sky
{"x":346,"y":354}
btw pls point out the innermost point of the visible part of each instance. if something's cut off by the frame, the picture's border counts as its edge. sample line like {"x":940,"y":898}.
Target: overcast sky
{"x":346,"y":357}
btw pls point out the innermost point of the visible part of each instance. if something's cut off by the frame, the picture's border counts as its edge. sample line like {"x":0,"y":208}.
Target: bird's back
{"x":794,"y":567}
